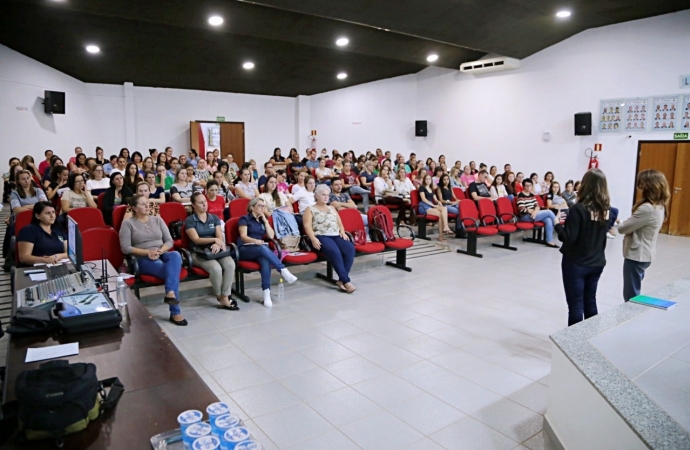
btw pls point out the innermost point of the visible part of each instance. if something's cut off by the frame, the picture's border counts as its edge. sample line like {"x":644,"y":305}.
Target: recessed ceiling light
{"x":431,"y":58}
{"x":215,"y":20}
{"x":248,"y":65}
{"x":343,"y":41}
{"x":563,"y":14}
{"x":342,"y":75}
{"x":92,"y":49}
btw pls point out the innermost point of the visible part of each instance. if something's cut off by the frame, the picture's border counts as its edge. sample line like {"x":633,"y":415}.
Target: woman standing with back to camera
{"x":584,"y":242}
{"x":642,"y":229}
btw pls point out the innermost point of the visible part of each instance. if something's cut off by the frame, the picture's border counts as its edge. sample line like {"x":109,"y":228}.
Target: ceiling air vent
{"x":490,"y":65}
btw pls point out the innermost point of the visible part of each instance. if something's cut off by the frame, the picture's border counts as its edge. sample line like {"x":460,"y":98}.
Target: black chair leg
{"x":400,"y":261}
{"x":239,"y":287}
{"x":471,"y":246}
{"x":421,"y":228}
{"x":506,"y":243}
{"x":329,"y":274}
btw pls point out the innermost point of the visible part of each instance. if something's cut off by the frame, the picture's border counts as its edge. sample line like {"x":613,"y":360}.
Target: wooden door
{"x":662,"y":157}
{"x":232,"y":141}
{"x":193,"y":136}
{"x":679,"y":221}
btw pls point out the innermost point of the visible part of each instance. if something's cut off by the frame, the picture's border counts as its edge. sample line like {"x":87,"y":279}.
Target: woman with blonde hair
{"x":642,"y":229}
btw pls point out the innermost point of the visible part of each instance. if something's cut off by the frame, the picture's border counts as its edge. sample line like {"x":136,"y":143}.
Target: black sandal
{"x":552,"y":245}
{"x":179,"y":323}
{"x":231,"y":307}
{"x":171,"y":300}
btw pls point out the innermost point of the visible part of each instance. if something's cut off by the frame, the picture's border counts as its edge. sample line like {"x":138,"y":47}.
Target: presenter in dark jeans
{"x":584,"y":242}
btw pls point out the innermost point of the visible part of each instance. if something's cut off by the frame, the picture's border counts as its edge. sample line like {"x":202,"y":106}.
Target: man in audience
{"x":192,"y":157}
{"x":73,"y":159}
{"x":45,"y":164}
{"x":109,"y":166}
{"x":121,"y":166}
{"x":342,"y":200}
{"x":478,"y":189}
{"x":413,"y":160}
{"x":351,"y":184}
{"x":268,"y":171}
{"x":387,"y":155}
{"x":506,"y":170}
{"x":312,"y":162}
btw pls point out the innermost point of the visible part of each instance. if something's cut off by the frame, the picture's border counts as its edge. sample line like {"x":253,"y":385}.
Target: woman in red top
{"x":216,"y":203}
{"x":517,"y":184}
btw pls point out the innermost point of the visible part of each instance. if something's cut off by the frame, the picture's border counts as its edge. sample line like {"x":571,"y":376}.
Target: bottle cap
{"x":281,"y":280}
{"x":119,"y":279}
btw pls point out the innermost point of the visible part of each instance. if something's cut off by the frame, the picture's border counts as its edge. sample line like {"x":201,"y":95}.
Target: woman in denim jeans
{"x":530,"y":211}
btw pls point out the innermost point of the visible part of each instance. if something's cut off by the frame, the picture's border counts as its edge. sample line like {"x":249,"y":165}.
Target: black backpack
{"x":60,"y":398}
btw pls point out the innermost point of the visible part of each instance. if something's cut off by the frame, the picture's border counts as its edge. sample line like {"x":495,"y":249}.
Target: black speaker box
{"x":583,"y":124}
{"x":420,"y":128}
{"x":54,"y":102}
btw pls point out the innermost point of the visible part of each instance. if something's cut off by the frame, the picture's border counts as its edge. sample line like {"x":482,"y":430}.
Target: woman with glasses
{"x":252,"y":246}
{"x":97,"y":181}
{"x":77,"y":196}
{"x":147,"y":238}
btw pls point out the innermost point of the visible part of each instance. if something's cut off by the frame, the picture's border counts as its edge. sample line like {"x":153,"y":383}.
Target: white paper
{"x":38,"y":276}
{"x":56,"y":351}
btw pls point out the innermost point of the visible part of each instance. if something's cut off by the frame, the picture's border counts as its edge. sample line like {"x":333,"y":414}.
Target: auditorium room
{"x":378,"y":225}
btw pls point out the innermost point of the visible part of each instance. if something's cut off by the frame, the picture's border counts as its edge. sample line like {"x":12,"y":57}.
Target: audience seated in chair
{"x":529,"y":210}
{"x":429,"y":205}
{"x":117,"y":194}
{"x":478,"y":189}
{"x":42,"y":242}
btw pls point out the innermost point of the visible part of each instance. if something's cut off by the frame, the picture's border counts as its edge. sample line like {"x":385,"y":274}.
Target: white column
{"x":302,"y":123}
{"x":130,"y":118}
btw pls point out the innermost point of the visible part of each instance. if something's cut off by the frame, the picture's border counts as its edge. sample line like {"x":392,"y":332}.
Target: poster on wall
{"x":610,"y":116}
{"x":665,"y":113}
{"x":635,"y":113}
{"x":685,"y":119}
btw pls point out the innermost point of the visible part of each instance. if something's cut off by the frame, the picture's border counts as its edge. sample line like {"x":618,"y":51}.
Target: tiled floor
{"x":454,"y":355}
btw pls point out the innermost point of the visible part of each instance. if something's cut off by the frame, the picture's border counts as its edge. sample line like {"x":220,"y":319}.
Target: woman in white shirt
{"x":274,"y":199}
{"x":498,"y":189}
{"x":305,"y":197}
{"x":323,"y":173}
{"x":404,"y":186}
{"x":96,"y":180}
{"x":245,"y":188}
{"x":300,"y":185}
{"x":536,"y":185}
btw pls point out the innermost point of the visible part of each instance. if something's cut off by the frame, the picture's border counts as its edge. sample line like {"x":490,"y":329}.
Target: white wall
{"x":498,"y":118}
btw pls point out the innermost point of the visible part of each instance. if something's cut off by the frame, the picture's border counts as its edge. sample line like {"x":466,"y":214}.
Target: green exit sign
{"x":220,"y":118}
{"x":680,"y":135}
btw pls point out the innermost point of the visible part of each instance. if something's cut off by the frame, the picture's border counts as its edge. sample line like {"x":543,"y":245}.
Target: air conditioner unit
{"x":490,"y":65}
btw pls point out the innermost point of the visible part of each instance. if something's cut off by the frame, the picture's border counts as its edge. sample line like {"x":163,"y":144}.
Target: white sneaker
{"x":267,"y":298}
{"x":610,"y":236}
{"x":287,"y":276}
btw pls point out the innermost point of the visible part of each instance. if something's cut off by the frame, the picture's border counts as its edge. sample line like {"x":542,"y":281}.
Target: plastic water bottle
{"x":121,"y":292}
{"x":281,"y":290}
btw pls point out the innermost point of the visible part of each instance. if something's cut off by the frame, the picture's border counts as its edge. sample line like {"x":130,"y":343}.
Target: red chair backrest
{"x":99,"y":200}
{"x":184,"y":238}
{"x":504,"y":207}
{"x":468,"y":208}
{"x":486,"y":208}
{"x":87,"y":218}
{"x":459,"y":193}
{"x":414,"y":199}
{"x":21,"y":220}
{"x":238,"y":207}
{"x":516,"y":210}
{"x":232,"y":230}
{"x":97,"y":239}
{"x":172,"y":211}
{"x":540,"y":201}
{"x":352,"y":220}
{"x":118,"y":216}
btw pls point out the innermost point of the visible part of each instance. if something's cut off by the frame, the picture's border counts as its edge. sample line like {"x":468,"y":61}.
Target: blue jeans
{"x":545,"y":216}
{"x":167,"y":268}
{"x":265,"y":257}
{"x":633,"y":274}
{"x":364,"y":193}
{"x":580,"y":284}
{"x":613,"y":215}
{"x":340,"y":253}
{"x":453,"y":210}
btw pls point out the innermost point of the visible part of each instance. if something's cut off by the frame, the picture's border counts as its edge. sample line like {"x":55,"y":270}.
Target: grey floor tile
{"x":465,"y":395}
{"x":281,"y":366}
{"x":312,"y":383}
{"x":426,"y":413}
{"x":221,"y":358}
{"x":425,"y":324}
{"x":234,"y":407}
{"x":683,"y":354}
{"x":396,"y":333}
{"x":511,"y":419}
{"x":293,"y":424}
{"x":425,"y":444}
{"x":370,"y":322}
{"x":258,"y":435}
{"x":361,"y":343}
{"x":426,"y":346}
{"x":499,"y":380}
{"x":205,"y":342}
{"x":343,"y":406}
{"x":456,"y":337}
{"x":387,"y":389}
{"x":264,"y":398}
{"x":533,"y":397}
{"x":264,"y":348}
{"x":212,"y":384}
{"x":490,"y":350}
{"x":339,"y":329}
{"x":327,"y":353}
{"x":355,"y":370}
{"x":470,"y":434}
{"x":392,"y":357}
{"x":540,"y":441}
{"x":460,"y":362}
{"x":526,"y":365}
{"x":333,"y":440}
{"x":426,"y":375}
{"x":304,"y":338}
{"x":381,"y":430}
{"x":241,"y":376}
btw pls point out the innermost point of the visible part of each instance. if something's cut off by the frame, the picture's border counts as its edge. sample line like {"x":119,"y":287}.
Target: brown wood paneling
{"x":679,"y":222}
{"x":232,"y":141}
{"x":662,"y":157}
{"x":193,"y":135}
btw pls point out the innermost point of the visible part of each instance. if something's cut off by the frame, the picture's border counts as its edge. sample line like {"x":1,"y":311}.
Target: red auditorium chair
{"x":238,"y":207}
{"x":422,"y":219}
{"x":399,"y":244}
{"x":20,"y":221}
{"x":173,"y":214}
{"x":372,"y":198}
{"x":504,"y":209}
{"x":98,"y":240}
{"x":459,"y":193}
{"x":87,"y":218}
{"x":537,"y":236}
{"x":489,"y":217}
{"x":118,"y":216}
{"x":99,"y":200}
{"x":232,"y":232}
{"x":303,"y":258}
{"x":469,"y":221}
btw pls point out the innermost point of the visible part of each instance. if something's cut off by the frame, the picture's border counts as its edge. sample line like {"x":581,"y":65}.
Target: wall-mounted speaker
{"x":420,"y":128}
{"x":583,"y":124}
{"x":54,"y":102}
